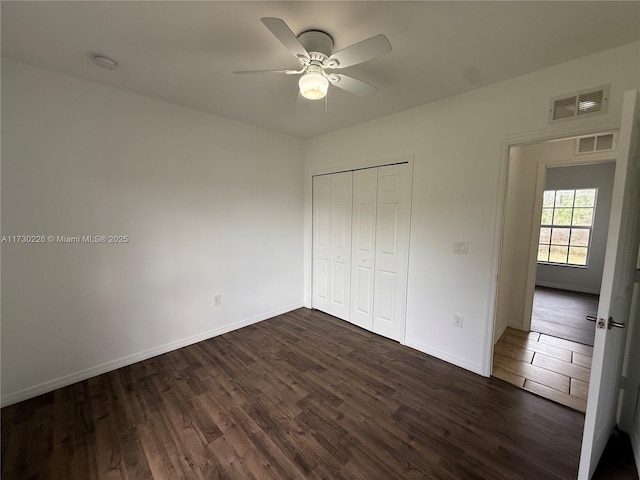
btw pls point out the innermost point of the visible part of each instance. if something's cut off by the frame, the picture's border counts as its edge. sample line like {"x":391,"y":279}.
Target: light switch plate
{"x":461,"y":247}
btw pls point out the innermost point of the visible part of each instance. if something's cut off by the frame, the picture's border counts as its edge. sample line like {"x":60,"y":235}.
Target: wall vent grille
{"x":596,"y":143}
{"x":585,"y":103}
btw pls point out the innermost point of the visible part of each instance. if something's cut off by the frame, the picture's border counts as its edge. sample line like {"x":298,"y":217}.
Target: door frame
{"x":553,"y":132}
{"x":338,"y":166}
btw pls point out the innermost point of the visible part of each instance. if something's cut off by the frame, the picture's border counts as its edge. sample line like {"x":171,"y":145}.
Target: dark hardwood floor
{"x":561,"y":313}
{"x":302,"y":395}
{"x":617,"y":462}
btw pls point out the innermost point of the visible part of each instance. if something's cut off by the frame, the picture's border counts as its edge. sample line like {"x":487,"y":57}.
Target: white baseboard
{"x":442,"y":355}
{"x":81,"y":375}
{"x":499,"y":331}
{"x":571,"y":288}
{"x":516,"y":326}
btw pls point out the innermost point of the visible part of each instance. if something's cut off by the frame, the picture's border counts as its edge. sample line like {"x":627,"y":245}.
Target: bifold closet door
{"x":332,"y":206}
{"x":392,"y":250}
{"x":365,"y":190}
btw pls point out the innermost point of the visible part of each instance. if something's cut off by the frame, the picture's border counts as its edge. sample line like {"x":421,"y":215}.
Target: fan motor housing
{"x":315,"y":41}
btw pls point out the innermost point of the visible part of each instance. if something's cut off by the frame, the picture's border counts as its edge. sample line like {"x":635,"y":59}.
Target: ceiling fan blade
{"x":361,"y":52}
{"x":286,"y":72}
{"x":352,"y":85}
{"x":283,"y":33}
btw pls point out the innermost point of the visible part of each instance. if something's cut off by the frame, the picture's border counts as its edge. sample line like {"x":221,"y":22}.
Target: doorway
{"x":554,"y":239}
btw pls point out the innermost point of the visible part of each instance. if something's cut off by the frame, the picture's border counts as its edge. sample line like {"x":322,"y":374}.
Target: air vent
{"x":585,"y":103}
{"x":596,"y":143}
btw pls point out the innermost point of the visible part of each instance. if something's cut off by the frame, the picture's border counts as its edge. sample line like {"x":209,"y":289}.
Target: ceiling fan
{"x":314,"y":51}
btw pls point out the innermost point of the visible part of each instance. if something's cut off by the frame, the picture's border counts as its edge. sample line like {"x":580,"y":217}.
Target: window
{"x":565,"y":227}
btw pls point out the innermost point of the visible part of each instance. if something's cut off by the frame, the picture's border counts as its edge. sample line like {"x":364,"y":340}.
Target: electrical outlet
{"x":457,"y":320}
{"x":217,"y":299}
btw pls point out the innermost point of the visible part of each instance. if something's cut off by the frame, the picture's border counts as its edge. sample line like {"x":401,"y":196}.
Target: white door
{"x":340,"y":269}
{"x":365,"y":189}
{"x":392,"y":250}
{"x":332,"y":203}
{"x":615,"y":293}
{"x":321,"y":242}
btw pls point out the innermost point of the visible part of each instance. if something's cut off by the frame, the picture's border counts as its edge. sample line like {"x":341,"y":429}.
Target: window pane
{"x":558,"y":254}
{"x":548,"y":198}
{"x":578,"y":255}
{"x":580,"y":237}
{"x":545,"y":235}
{"x":562,"y":216}
{"x":585,"y":198}
{"x":547,"y":216}
{"x":560,"y":236}
{"x":583,"y":217}
{"x":543,"y":253}
{"x":565,"y":226}
{"x":564,"y":198}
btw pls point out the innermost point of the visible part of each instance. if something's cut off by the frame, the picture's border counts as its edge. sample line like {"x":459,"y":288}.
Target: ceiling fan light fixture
{"x":313,"y":86}
{"x":105,"y":62}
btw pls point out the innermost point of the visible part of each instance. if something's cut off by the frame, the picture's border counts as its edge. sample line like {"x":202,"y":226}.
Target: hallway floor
{"x":548,"y":366}
{"x":561,"y":313}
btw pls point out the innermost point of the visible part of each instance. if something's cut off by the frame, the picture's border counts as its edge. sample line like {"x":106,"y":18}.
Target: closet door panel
{"x":392,"y":249}
{"x":365,"y":189}
{"x":340,"y":270}
{"x":321,"y":242}
{"x":386,"y":297}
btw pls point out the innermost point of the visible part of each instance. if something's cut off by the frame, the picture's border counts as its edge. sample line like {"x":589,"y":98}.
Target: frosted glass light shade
{"x":313,"y":86}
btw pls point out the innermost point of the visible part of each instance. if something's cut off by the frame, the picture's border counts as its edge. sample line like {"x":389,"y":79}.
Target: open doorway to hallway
{"x":554,"y":239}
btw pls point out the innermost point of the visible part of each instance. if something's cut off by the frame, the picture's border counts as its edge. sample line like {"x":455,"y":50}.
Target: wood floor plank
{"x":579,"y":388}
{"x":560,"y":366}
{"x":545,"y":348}
{"x":581,"y":359}
{"x":553,"y":394}
{"x":562,"y":314}
{"x":514,"y":351}
{"x":503,"y":374}
{"x":300,"y":396}
{"x":567,"y":344}
{"x":249,"y":442}
{"x":537,"y":374}
{"x":534,"y":336}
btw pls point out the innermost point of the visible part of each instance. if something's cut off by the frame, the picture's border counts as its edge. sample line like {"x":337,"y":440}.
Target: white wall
{"x":457,"y":144}
{"x":518,"y":214}
{"x":598,"y":176}
{"x":512,"y":304}
{"x":212,"y":205}
{"x":209,"y":205}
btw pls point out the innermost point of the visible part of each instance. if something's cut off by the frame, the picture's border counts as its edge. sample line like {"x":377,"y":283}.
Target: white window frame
{"x":551,"y":226}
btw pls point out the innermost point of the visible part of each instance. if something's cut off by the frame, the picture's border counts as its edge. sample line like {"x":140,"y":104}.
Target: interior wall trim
{"x":443,"y":355}
{"x":372,"y":163}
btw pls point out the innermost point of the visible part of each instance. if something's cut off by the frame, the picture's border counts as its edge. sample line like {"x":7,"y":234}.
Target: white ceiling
{"x":185,"y":52}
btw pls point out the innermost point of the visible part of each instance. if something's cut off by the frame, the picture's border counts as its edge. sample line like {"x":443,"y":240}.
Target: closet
{"x":361,"y":246}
